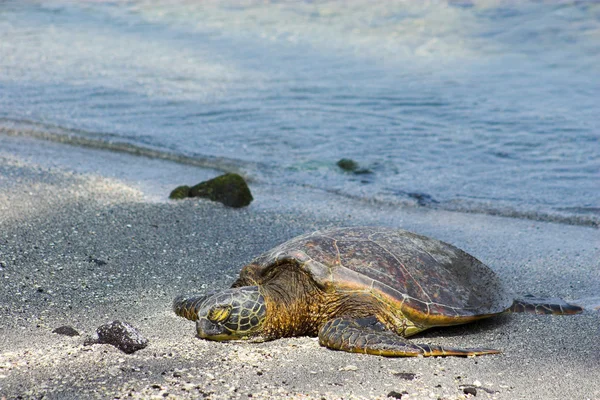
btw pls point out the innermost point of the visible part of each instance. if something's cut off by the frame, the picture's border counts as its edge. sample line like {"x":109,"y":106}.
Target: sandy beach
{"x":85,"y":239}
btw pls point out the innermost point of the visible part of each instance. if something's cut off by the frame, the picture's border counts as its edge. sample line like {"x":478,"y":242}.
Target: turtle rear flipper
{"x":539,"y":305}
{"x":362,"y":336}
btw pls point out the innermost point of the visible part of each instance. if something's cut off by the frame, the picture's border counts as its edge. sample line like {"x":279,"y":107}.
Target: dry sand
{"x":83,"y":243}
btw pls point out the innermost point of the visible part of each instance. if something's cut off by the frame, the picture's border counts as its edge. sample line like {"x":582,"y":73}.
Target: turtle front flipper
{"x":362,"y":336}
{"x":538,"y":305}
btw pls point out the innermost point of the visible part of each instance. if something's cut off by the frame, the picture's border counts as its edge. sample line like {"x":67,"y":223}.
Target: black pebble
{"x":96,"y":261}
{"x":66,"y":330}
{"x":470,"y":390}
{"x":396,"y":395}
{"x":409,"y":376}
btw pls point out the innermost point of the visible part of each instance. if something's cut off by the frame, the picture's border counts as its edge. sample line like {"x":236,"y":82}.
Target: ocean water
{"x":479,"y":106}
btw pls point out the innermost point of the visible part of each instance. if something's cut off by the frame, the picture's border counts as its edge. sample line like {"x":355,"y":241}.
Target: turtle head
{"x":231,"y":314}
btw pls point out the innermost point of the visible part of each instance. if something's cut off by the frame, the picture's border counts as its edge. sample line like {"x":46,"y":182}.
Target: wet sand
{"x":84,"y":242}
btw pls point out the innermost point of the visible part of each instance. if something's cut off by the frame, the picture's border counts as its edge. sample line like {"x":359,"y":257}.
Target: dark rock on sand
{"x":66,"y":330}
{"x":229,"y":189}
{"x":122,"y":335}
{"x":409,"y":376}
{"x":96,"y":261}
{"x":396,"y":395}
{"x":470,"y":390}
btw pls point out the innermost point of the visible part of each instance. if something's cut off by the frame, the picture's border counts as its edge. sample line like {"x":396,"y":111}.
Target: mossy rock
{"x":229,"y":189}
{"x":347,"y":164}
{"x":352,"y":166}
{"x":180,"y":192}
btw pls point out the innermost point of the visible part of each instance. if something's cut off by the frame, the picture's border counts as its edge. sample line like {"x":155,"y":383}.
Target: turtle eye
{"x":219,"y":313}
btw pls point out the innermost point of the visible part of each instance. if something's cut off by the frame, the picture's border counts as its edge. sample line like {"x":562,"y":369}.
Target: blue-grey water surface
{"x":487,"y":106}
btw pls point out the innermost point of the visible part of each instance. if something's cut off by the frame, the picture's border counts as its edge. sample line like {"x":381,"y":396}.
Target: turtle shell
{"x":429,"y":281}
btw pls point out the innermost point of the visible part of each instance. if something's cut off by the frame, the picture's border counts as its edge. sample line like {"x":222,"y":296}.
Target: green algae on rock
{"x":230,"y":189}
{"x":180,"y":192}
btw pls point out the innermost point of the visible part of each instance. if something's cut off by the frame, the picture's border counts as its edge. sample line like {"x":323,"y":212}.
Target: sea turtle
{"x":360,"y":290}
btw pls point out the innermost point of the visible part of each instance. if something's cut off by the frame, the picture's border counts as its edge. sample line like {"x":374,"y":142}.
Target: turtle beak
{"x":188,"y":307}
{"x":211,"y":331}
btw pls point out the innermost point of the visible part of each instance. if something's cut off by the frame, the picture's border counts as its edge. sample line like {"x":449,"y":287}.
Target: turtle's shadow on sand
{"x":497,"y":322}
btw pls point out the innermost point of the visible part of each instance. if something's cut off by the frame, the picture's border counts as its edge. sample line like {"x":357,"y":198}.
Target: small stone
{"x":350,"y":165}
{"x":349,"y":368}
{"x":66,"y":330}
{"x":347,"y":164}
{"x":409,"y":376}
{"x":122,"y":335}
{"x":476,"y":388}
{"x":470,"y":390}
{"x":396,"y":395}
{"x":96,"y":261}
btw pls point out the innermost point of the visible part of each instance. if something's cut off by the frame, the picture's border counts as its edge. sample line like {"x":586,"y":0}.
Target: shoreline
{"x":195,"y":164}
{"x":57,"y":216}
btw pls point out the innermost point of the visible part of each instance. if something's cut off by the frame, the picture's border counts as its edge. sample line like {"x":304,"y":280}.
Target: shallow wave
{"x":263,"y":174}
{"x":118,"y":144}
{"x":477,"y":106}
